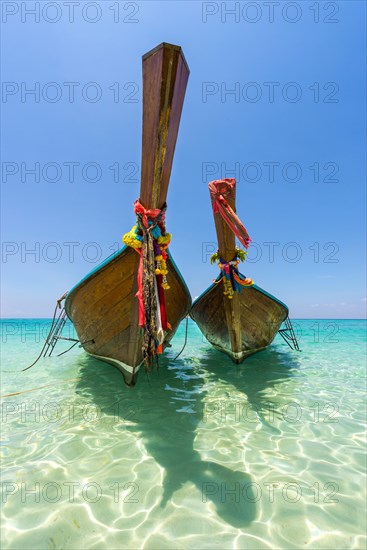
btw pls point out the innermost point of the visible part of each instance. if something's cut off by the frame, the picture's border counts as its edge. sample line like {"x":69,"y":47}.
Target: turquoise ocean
{"x":199,"y":454}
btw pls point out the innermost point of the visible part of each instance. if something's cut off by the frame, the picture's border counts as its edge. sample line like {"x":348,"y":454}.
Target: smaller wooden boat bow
{"x":235,"y":315}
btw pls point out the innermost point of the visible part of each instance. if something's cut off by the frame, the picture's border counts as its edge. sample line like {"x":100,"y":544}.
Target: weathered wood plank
{"x":165,"y":75}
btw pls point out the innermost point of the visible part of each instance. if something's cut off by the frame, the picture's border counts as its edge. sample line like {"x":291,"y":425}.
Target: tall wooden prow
{"x":225,"y":236}
{"x":165,"y":75}
{"x":227,"y":250}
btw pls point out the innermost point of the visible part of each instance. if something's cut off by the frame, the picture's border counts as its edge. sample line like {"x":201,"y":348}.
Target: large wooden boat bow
{"x":127,"y":309}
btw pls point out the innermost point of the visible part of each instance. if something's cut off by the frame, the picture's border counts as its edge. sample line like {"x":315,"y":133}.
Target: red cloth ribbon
{"x":226,"y":268}
{"x":146,"y":213}
{"x":139,"y":294}
{"x":219,"y":189}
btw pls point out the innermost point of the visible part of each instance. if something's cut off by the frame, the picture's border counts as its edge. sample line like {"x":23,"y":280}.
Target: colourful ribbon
{"x":219,"y":189}
{"x":230,"y":272}
{"x":146,"y":213}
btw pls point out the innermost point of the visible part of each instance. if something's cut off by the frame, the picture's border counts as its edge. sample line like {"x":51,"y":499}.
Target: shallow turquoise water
{"x":202,"y":453}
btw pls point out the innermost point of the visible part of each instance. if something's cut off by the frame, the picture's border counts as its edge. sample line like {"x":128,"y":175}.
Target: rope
{"x":75,"y":343}
{"x":46,"y":341}
{"x":71,"y":347}
{"x":55,"y":327}
{"x":186,"y":332}
{"x":39,"y":388}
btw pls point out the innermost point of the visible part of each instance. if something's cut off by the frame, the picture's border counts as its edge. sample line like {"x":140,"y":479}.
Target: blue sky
{"x":293,"y":130}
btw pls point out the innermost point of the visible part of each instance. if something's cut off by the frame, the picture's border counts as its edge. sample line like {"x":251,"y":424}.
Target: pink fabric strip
{"x":139,"y":294}
{"x":219,"y":189}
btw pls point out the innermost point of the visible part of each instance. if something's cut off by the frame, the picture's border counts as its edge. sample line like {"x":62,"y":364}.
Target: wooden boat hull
{"x":241,"y":326}
{"x":104,"y":310}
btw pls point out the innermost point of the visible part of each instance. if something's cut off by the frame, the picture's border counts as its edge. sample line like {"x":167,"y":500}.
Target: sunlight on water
{"x":202,"y":453}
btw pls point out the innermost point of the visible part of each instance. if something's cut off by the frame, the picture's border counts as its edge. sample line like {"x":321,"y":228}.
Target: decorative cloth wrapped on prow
{"x":150,"y":240}
{"x":222,"y":194}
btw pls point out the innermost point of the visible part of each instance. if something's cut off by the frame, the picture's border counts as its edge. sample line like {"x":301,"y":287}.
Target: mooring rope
{"x":58,"y":305}
{"x":56,"y":325}
{"x":71,"y":347}
{"x":186,"y":333}
{"x":39,"y":388}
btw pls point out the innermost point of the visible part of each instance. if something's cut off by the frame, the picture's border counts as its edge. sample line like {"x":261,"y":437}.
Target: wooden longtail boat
{"x":235,"y":315}
{"x":103,"y":306}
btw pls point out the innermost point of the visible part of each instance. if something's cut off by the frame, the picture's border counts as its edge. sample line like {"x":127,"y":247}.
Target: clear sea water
{"x":201,"y":454}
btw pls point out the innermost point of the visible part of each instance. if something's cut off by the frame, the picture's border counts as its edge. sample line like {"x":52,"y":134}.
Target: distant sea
{"x":200,"y":454}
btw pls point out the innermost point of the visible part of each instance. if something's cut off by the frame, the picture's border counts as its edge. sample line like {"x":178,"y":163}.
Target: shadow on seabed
{"x":150,"y":410}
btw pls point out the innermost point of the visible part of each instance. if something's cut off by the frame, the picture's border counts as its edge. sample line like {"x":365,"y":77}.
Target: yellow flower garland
{"x":130,"y":239}
{"x":164,"y":239}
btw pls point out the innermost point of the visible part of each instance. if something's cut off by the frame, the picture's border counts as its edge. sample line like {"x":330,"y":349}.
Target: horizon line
{"x":291,"y":318}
